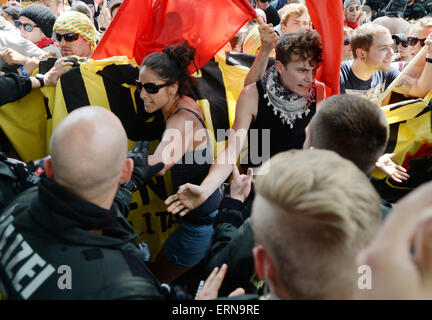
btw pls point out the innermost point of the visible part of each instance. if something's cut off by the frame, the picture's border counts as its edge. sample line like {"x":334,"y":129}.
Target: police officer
{"x":65,"y":239}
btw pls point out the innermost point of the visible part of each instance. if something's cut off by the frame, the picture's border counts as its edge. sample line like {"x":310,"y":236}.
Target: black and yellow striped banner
{"x":110,"y":83}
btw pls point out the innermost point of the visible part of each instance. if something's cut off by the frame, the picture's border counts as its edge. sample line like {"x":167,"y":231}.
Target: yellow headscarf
{"x":79,"y":23}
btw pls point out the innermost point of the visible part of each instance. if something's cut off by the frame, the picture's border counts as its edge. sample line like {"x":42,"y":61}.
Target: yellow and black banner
{"x":110,"y":83}
{"x":411,"y":140}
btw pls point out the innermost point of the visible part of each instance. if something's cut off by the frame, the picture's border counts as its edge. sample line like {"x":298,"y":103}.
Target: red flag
{"x":145,"y":26}
{"x":327,"y":18}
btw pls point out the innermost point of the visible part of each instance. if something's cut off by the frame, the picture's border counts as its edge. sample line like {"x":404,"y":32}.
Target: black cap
{"x":13,"y":11}
{"x":402,"y":36}
{"x":42,"y":16}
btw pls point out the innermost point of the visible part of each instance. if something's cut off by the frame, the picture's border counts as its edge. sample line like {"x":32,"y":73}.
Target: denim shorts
{"x":189,"y":243}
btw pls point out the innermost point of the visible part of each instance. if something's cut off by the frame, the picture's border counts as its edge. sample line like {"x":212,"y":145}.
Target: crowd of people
{"x":296,"y":222}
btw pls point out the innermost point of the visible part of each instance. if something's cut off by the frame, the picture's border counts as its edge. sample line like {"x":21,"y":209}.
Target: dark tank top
{"x":282,"y":136}
{"x":193,"y":167}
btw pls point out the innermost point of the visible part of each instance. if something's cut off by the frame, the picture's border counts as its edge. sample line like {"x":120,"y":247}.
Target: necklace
{"x":171,"y":110}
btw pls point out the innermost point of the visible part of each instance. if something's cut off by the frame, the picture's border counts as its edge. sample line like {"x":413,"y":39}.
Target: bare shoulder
{"x":247,"y":103}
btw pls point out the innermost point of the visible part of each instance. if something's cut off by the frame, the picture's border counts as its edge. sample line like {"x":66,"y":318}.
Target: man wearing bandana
{"x":75,"y":34}
{"x":280,"y":105}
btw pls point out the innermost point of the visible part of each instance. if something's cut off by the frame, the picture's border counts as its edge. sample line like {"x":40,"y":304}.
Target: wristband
{"x":429,"y":60}
{"x":23,"y":72}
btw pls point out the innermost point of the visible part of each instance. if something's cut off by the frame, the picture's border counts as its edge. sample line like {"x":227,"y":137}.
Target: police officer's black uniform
{"x":47,"y":252}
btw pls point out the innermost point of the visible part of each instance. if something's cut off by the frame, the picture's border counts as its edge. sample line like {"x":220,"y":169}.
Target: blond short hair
{"x":325,"y":212}
{"x":363,"y":36}
{"x":425,"y":22}
{"x":297,"y":9}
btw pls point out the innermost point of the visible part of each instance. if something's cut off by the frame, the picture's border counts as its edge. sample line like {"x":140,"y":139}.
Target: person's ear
{"x":263,"y":265}
{"x":278,"y":66}
{"x":49,"y":170}
{"x":174,"y":88}
{"x":361,"y":54}
{"x":127,"y":170}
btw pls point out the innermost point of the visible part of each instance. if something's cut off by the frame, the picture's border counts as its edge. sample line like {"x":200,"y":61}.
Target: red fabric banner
{"x":145,"y":26}
{"x":327,"y":18}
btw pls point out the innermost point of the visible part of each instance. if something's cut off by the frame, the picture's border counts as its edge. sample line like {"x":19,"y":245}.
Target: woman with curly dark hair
{"x":165,"y":84}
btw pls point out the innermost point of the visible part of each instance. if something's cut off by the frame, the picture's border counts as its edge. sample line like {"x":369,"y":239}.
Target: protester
{"x":15,"y":86}
{"x":271,"y":13}
{"x":36,"y":24}
{"x":283,"y":101}
{"x":164,"y":84}
{"x":351,"y":126}
{"x":353,"y":13}
{"x":417,"y":38}
{"x":11,"y":13}
{"x":309,"y":227}
{"x":75,"y":34}
{"x":401,"y":57}
{"x":295,"y":18}
{"x":370,"y":72}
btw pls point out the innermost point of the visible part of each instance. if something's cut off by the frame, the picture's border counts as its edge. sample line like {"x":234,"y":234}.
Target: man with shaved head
{"x":67,"y":238}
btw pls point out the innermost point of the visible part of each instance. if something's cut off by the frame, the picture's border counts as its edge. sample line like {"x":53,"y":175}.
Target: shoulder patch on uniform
{"x":93,"y":254}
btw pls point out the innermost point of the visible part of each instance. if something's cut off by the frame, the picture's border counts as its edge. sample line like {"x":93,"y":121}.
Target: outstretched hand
{"x":393,"y":170}
{"x":213,"y":283}
{"x":188,"y":197}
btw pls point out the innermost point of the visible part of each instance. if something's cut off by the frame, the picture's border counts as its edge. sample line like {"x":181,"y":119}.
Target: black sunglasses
{"x":399,"y":41}
{"x":27,"y":26}
{"x":347,"y":42}
{"x":413,"y":41}
{"x":354,"y":8}
{"x":151,"y":88}
{"x":69,"y":37}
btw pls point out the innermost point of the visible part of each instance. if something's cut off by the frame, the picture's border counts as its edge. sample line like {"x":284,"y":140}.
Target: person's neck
{"x":361,"y":70}
{"x":170,"y":107}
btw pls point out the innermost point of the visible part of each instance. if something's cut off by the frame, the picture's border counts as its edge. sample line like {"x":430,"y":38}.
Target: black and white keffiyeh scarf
{"x":289,"y":105}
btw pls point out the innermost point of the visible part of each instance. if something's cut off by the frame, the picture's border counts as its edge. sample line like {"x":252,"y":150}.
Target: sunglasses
{"x":69,"y":37}
{"x":399,"y":41}
{"x":27,"y":26}
{"x":347,"y":42}
{"x":413,"y":41}
{"x":151,"y":88}
{"x":354,"y":8}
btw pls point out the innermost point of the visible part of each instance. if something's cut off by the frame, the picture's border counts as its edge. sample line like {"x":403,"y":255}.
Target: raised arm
{"x":269,"y":39}
{"x":418,"y":87}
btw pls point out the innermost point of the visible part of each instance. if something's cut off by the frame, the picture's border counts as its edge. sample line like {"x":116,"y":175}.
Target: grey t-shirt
{"x":369,"y":89}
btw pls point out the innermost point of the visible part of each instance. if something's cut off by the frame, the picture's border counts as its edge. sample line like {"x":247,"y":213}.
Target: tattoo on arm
{"x":403,"y":87}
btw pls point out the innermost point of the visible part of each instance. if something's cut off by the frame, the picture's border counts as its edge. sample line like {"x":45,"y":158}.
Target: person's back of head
{"x":309,"y":224}
{"x":352,"y":126}
{"x":88,"y":152}
{"x":80,"y":6}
